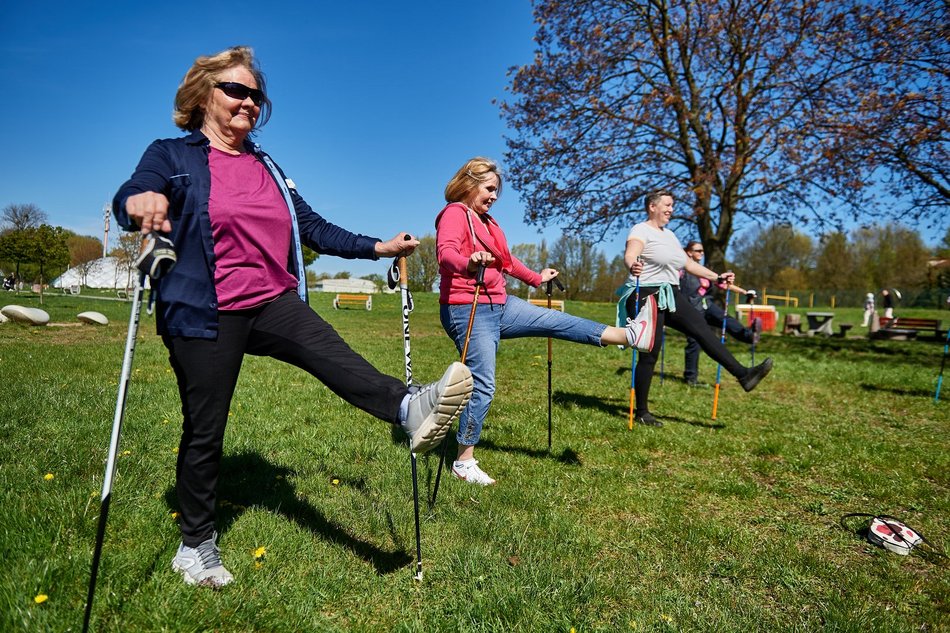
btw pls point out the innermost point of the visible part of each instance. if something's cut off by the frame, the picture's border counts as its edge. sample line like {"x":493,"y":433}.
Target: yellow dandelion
{"x":175,"y":450}
{"x":48,"y":476}
{"x":257,"y":565}
{"x":175,"y":515}
{"x":666,"y":617}
{"x":165,"y":421}
{"x":335,"y":482}
{"x":126,"y":452}
{"x":40,"y":598}
{"x":259,"y":552}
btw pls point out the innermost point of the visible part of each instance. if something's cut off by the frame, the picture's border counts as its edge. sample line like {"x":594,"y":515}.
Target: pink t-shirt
{"x":250,"y":225}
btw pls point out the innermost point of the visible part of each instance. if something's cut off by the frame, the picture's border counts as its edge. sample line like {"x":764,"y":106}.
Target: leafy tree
{"x":23,"y":216}
{"x":16,"y":246}
{"x":423,"y":265}
{"x":722,"y":101}
{"x":890,"y":256}
{"x":84,"y":252}
{"x":834,"y":264}
{"x":776,"y":255}
{"x":126,"y":253}
{"x":576,"y":261}
{"x":48,"y":250}
{"x":891,"y":116}
{"x":535,"y":257}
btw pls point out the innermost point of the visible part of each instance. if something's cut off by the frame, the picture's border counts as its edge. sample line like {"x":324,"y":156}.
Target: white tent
{"x":105,"y":272}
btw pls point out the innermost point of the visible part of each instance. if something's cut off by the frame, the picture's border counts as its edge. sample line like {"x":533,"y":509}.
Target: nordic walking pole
{"x":662,"y":353}
{"x":114,"y":442}
{"x":946,"y":348}
{"x":156,"y":259}
{"x":752,"y":323}
{"x":633,"y":362}
{"x":722,"y":340}
{"x":401,"y":273}
{"x":479,"y":283}
{"x":548,"y":291}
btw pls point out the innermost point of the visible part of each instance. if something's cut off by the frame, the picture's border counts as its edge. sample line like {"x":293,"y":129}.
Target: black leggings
{"x":207,"y":371}
{"x":690,"y":322}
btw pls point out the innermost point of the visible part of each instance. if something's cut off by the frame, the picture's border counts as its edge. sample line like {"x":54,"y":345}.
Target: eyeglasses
{"x":239,"y":91}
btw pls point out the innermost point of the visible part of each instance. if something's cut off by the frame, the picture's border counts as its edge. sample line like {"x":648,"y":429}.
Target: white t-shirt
{"x":663,"y":255}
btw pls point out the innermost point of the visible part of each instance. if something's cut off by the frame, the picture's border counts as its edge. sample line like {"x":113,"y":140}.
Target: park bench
{"x":356,"y":300}
{"x":556,"y":304}
{"x":929,"y":326}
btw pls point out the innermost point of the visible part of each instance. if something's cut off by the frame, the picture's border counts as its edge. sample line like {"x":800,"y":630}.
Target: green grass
{"x":726,"y":525}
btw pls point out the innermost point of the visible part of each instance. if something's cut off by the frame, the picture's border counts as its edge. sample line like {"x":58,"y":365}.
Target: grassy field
{"x":726,"y":525}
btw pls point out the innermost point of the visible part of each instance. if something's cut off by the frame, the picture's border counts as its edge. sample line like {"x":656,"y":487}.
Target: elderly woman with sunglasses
{"x":697,"y":291}
{"x":654,"y":255}
{"x":239,"y":287}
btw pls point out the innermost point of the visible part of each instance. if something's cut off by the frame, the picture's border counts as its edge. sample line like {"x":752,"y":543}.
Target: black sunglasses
{"x":239,"y":91}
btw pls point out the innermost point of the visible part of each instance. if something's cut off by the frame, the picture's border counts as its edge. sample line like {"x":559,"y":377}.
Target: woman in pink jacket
{"x":467,"y":237}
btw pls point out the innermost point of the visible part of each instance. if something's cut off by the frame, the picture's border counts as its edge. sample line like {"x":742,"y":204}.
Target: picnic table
{"x":820,"y":323}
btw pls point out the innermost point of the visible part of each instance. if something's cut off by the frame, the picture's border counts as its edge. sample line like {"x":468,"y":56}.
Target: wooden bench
{"x":556,"y":304}
{"x":930,"y":326}
{"x":345,"y":300}
{"x":844,"y":327}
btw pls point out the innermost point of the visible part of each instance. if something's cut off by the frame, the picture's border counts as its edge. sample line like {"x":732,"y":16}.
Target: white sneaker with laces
{"x":202,"y":565}
{"x":641,"y":331}
{"x":469,"y":471}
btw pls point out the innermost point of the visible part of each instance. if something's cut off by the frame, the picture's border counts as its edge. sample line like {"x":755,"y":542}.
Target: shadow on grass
{"x":900,"y":391}
{"x":248,"y":479}
{"x":587,"y":401}
{"x":691,"y":422}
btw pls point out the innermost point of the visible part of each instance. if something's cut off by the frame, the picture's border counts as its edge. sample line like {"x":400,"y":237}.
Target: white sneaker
{"x":433,"y":407}
{"x":202,"y":565}
{"x":470,"y":472}
{"x":641,"y":331}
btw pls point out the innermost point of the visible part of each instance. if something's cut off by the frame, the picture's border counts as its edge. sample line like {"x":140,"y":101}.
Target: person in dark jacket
{"x":239,"y":288}
{"x":698,"y":292}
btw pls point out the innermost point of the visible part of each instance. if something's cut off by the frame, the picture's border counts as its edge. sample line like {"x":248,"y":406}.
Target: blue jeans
{"x":514,"y":319}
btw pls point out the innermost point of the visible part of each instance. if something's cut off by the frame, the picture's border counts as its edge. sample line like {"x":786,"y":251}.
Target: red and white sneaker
{"x":641,"y":331}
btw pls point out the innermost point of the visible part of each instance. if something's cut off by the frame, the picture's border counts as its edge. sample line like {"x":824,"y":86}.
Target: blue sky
{"x":376,"y":104}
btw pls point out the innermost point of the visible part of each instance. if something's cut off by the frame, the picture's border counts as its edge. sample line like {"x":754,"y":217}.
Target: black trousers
{"x":207,"y":371}
{"x":690,"y":322}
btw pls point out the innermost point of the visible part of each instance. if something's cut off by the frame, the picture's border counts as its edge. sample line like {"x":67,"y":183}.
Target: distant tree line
{"x":777,"y":257}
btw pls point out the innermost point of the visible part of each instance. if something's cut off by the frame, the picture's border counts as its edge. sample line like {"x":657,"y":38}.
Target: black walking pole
{"x":479,"y":283}
{"x":156,"y":259}
{"x":946,"y":348}
{"x":548,"y":289}
{"x":399,"y":274}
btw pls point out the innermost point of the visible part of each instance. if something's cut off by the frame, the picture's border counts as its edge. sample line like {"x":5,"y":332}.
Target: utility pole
{"x":106,"y":215}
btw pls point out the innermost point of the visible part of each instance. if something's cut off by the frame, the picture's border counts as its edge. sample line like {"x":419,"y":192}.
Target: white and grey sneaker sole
{"x":457,"y":392}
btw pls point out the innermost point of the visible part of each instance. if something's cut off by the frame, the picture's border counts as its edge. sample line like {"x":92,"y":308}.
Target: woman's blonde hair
{"x":199,"y":81}
{"x":476,"y":171}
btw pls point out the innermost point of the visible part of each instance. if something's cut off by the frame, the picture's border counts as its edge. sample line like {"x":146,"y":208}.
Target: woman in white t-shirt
{"x":655,"y":256}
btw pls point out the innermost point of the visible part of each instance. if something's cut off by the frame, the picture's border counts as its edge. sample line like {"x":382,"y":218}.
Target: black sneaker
{"x":756,"y":374}
{"x":647,"y":419}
